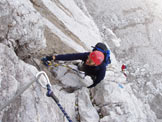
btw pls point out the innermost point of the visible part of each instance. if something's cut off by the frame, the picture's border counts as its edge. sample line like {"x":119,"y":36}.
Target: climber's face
{"x":90,"y":62}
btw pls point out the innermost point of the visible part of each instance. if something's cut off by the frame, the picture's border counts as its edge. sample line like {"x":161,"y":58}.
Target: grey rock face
{"x":23,"y":24}
{"x":21,"y":27}
{"x":138,"y":25}
{"x":21,"y":34}
{"x":87,"y":112}
{"x":33,"y":104}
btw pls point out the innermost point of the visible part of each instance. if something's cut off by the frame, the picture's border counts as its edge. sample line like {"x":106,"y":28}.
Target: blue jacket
{"x":97,"y":71}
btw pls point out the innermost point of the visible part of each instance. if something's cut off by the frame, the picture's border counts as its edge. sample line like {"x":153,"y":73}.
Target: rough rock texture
{"x":120,"y":104}
{"x":33,"y":105}
{"x":21,"y":27}
{"x":25,"y":27}
{"x":137,"y":24}
{"x":21,"y":34}
{"x":87,"y":112}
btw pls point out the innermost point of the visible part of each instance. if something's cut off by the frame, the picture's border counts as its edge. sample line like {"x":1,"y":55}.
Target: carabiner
{"x":47,"y":79}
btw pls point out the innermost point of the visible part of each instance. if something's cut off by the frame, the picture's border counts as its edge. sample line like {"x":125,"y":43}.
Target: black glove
{"x":46,"y":60}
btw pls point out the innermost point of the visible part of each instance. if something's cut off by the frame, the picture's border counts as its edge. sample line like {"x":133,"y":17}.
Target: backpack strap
{"x":107,"y":52}
{"x":108,"y":60}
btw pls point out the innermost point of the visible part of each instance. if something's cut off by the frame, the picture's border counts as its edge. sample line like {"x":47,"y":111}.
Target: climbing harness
{"x":46,"y":85}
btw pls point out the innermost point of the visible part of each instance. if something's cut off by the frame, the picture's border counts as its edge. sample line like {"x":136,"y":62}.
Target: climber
{"x":94,"y":63}
{"x":123,"y":69}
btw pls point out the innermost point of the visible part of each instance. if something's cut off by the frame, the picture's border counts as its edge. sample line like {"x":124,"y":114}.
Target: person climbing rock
{"x":123,"y":69}
{"x":94,"y":63}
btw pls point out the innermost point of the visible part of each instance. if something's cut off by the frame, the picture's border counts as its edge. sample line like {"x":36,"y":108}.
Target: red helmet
{"x":97,"y":57}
